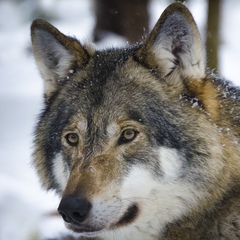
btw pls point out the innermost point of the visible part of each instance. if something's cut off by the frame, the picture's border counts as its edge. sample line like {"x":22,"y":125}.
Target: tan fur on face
{"x":89,"y":176}
{"x":91,"y":180}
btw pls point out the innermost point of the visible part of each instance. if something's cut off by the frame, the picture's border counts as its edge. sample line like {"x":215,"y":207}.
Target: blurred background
{"x":26,"y":211}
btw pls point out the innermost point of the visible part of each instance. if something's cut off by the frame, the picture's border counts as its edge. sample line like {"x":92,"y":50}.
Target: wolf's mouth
{"x":129,"y":215}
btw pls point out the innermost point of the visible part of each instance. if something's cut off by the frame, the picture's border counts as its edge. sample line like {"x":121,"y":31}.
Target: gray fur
{"x":181,"y":171}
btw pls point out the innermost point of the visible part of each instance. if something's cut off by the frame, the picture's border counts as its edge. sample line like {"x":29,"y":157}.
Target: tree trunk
{"x":212,"y":36}
{"x":128,"y":18}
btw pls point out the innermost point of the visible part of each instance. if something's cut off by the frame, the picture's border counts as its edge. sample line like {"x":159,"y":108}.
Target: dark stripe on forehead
{"x":135,"y":115}
{"x":96,"y":134}
{"x":99,"y":72}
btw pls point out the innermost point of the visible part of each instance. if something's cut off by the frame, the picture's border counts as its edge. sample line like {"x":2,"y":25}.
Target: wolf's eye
{"x":127,"y":136}
{"x":72,"y":139}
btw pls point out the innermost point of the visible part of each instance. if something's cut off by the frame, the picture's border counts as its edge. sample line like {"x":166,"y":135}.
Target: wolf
{"x":140,"y":142}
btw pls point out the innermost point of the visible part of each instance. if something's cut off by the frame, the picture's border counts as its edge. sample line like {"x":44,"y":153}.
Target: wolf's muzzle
{"x":74,"y":209}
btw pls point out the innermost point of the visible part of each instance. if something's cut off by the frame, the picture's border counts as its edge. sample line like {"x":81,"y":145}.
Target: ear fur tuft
{"x":55,"y":54}
{"x":175,"y":44}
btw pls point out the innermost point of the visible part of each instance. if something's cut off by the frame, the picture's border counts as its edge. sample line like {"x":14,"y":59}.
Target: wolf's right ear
{"x":55,"y":54}
{"x":174,"y":46}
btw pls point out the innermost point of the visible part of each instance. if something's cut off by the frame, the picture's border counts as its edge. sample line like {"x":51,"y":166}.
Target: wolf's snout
{"x":74,"y":209}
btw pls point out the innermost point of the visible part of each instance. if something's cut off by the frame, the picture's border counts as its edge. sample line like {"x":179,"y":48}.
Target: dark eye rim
{"x":123,"y":140}
{"x":73,"y":144}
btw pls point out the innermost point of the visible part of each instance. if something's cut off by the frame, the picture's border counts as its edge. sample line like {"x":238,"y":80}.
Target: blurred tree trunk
{"x":128,"y":18}
{"x":212,"y":36}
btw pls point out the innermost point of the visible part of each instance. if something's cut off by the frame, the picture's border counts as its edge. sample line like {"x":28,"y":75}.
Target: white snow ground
{"x":24,"y":206}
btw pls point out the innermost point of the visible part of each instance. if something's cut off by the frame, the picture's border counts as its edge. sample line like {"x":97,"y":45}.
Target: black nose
{"x":74,"y":209}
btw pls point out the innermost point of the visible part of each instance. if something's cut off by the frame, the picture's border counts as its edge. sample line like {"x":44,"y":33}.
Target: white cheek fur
{"x":60,"y":171}
{"x":170,"y":163}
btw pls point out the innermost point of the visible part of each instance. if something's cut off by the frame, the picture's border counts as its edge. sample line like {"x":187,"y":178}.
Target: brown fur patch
{"x":205,"y":91}
{"x":92,"y":179}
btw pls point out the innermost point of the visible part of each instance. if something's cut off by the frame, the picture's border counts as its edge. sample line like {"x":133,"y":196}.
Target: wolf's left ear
{"x":174,"y":44}
{"x":55,"y":54}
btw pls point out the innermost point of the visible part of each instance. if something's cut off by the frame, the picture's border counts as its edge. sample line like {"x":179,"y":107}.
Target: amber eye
{"x":127,"y":136}
{"x":72,"y":139}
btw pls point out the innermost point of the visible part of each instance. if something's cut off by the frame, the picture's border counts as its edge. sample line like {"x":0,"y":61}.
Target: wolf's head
{"x":126,"y":136}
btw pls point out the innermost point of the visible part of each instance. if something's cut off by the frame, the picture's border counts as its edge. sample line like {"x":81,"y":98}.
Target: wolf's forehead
{"x":100,"y":121}
{"x":103,"y":63}
{"x":99,"y":78}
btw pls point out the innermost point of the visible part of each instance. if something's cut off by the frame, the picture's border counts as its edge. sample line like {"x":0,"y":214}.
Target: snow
{"x":25,"y":209}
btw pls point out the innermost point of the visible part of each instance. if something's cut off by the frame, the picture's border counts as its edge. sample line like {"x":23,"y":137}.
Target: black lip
{"x":84,"y":229}
{"x":129,"y":215}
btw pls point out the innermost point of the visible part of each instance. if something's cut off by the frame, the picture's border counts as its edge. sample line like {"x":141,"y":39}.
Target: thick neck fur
{"x":220,"y":223}
{"x":229,"y":105}
{"x":220,"y":101}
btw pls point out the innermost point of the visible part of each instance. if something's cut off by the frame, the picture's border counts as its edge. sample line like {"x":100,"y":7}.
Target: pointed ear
{"x":55,"y":54}
{"x":174,"y":45}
